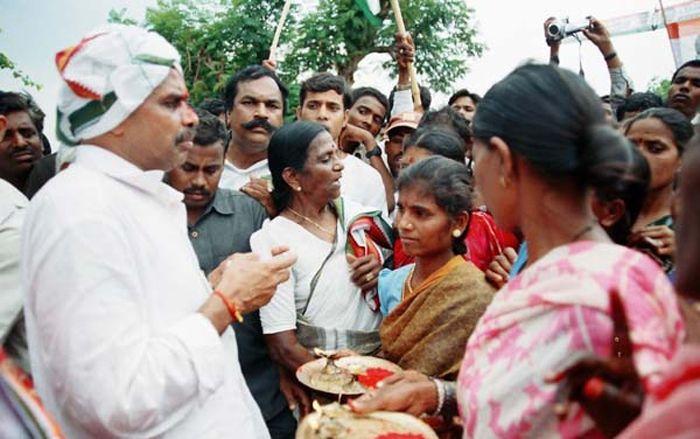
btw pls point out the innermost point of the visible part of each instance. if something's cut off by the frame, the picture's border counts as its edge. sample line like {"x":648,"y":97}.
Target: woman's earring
{"x":456,"y":233}
{"x":502,"y":181}
{"x":298,"y":188}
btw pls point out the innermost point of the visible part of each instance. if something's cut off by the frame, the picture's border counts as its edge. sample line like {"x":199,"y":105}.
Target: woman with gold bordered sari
{"x":432,"y":306}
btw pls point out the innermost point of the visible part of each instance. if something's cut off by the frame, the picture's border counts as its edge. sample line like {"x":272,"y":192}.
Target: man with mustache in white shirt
{"x":126,"y":335}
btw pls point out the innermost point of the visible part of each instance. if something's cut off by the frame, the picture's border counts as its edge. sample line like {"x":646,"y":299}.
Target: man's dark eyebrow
{"x":176,"y":96}
{"x":260,"y":98}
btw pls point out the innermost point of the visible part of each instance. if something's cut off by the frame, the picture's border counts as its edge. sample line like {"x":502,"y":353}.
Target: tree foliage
{"x":337,"y":36}
{"x":660,"y":87}
{"x":7,"y":64}
{"x":217,"y":37}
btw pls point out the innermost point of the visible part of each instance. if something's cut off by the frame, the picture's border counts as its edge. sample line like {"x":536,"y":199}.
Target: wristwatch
{"x":374,"y":152}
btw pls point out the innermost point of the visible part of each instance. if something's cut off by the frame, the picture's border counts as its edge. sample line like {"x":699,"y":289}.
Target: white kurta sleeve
{"x":111,"y":367}
{"x":10,"y":292}
{"x":403,"y":102}
{"x":280,"y":313}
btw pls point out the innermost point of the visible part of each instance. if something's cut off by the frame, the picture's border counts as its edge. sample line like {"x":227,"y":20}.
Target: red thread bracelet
{"x":232,"y":310}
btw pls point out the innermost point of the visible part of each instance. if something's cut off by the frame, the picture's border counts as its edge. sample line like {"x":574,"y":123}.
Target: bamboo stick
{"x":401,"y":27}
{"x":280,"y":26}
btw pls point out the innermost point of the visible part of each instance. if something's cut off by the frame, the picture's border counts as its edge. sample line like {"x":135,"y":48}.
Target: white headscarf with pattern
{"x":107,"y":76}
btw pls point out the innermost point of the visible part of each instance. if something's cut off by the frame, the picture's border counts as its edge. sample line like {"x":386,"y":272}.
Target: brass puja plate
{"x":334,"y":421}
{"x":340,"y":377}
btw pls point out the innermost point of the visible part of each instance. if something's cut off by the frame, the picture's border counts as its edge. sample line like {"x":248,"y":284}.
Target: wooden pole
{"x":401,"y":27}
{"x":278,"y":31}
{"x":668,"y":31}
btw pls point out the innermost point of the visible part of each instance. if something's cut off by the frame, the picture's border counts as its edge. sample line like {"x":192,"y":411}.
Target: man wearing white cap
{"x":126,"y":337}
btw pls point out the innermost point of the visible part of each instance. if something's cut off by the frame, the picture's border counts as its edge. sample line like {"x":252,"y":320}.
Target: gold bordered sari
{"x":428,"y":330}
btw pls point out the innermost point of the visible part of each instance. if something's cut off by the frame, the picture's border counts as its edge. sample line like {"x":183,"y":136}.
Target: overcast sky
{"x":34,"y":30}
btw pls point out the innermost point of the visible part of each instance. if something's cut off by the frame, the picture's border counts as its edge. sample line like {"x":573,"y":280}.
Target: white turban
{"x":107,"y":76}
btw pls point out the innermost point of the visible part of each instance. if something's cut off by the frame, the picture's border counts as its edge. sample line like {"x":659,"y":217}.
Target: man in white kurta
{"x":125,"y":336}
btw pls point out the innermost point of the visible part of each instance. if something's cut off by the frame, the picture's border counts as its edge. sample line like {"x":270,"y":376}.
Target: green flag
{"x":370,"y":8}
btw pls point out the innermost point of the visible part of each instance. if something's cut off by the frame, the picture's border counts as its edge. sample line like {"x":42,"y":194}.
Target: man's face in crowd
{"x":464,"y":106}
{"x":20,"y":147}
{"x":198,"y":178}
{"x":158,"y":135}
{"x":394,"y":148}
{"x":326,"y":108}
{"x":684,"y":94}
{"x":367,"y":113}
{"x":258,"y":110}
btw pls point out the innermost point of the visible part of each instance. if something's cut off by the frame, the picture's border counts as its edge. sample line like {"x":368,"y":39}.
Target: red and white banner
{"x":685,"y":40}
{"x":682,"y":23}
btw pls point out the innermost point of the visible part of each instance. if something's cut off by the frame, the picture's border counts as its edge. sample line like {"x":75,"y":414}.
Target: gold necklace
{"x":313,"y":223}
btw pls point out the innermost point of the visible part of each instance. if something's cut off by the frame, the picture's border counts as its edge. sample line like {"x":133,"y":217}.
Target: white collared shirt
{"x":235,"y":178}
{"x":362,"y":184}
{"x":12,"y":208}
{"x":113,"y":286}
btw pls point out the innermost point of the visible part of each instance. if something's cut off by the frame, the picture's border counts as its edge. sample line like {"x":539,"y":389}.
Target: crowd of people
{"x":529,"y":258}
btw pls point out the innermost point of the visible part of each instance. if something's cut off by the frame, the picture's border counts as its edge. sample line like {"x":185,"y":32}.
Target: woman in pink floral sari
{"x":541,"y":146}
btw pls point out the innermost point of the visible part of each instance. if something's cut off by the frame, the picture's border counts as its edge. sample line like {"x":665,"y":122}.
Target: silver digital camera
{"x":559,"y":29}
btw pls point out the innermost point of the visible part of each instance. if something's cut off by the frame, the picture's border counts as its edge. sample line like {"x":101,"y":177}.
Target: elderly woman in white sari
{"x":330,"y":300}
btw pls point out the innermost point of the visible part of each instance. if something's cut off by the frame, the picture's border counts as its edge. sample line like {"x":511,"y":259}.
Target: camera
{"x":559,"y":29}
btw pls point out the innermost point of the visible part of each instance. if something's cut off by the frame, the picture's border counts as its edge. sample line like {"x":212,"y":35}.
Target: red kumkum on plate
{"x":354,"y":375}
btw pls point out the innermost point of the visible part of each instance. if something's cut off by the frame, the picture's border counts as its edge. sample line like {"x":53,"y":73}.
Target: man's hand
{"x":599,"y":35}
{"x":409,"y":392}
{"x":554,"y":44}
{"x":499,"y":270}
{"x":259,"y":189}
{"x":365,"y":271}
{"x":295,"y":395}
{"x":247,"y":282}
{"x":405,"y":53}
{"x":351,"y":135}
{"x":270,"y":64}
{"x":405,"y":50}
{"x":250,"y":282}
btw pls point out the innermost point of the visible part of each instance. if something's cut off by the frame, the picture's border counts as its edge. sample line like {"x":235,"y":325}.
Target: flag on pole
{"x":370,"y":9}
{"x":685,"y":40}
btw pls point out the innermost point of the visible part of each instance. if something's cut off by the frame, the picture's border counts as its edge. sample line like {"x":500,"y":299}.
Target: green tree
{"x":337,"y":36}
{"x":120,"y":17}
{"x":216,"y":38}
{"x":660,"y":87}
{"x":7,"y":64}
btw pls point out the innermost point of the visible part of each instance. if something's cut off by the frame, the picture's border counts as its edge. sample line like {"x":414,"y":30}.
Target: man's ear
{"x":298,"y":112}
{"x":227,"y":119}
{"x":117,"y":131}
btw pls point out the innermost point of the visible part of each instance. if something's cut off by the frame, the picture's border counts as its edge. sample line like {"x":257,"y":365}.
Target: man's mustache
{"x":186,"y":135}
{"x":197,"y":190}
{"x":259,"y":123}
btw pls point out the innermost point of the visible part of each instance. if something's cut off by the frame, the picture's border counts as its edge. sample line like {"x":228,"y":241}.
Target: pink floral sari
{"x":553,"y":313}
